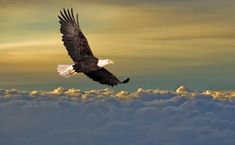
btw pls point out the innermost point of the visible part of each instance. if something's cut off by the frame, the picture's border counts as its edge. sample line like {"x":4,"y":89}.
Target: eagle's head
{"x":103,"y":62}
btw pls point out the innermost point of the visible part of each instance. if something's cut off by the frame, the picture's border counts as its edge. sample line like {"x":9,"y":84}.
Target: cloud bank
{"x":109,"y":117}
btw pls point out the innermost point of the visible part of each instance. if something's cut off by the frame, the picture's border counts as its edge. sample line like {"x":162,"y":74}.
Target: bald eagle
{"x":81,"y":54}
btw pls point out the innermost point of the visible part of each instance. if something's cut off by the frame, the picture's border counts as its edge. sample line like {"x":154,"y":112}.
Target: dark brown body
{"x":86,"y":65}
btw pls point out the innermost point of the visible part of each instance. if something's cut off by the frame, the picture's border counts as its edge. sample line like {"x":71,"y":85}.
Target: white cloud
{"x":105,"y":117}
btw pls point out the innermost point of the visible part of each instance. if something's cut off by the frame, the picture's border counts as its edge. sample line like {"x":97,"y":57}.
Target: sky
{"x":157,"y":43}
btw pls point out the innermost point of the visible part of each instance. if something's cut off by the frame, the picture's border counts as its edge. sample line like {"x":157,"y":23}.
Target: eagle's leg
{"x":77,"y":67}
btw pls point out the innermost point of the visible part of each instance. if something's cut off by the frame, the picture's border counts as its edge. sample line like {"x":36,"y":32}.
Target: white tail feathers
{"x":66,"y":70}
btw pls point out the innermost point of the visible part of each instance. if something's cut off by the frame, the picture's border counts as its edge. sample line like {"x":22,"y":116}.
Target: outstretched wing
{"x":73,"y":38}
{"x":103,"y":76}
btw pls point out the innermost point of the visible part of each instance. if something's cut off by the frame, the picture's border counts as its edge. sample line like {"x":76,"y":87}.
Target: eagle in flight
{"x":81,"y":54}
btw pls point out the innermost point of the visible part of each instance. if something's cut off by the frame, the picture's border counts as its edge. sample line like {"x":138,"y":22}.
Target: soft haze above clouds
{"x":104,"y":117}
{"x":165,"y":42}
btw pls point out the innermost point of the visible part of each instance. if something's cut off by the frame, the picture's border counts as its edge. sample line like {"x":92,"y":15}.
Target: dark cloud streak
{"x":118,"y":2}
{"x":218,"y":36}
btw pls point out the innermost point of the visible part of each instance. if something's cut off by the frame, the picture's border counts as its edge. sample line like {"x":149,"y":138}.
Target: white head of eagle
{"x":104,"y":62}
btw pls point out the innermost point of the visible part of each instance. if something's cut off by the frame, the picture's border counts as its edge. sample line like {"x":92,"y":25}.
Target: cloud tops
{"x":109,"y":117}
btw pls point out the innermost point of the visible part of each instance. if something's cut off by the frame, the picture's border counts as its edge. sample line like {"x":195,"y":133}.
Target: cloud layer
{"x":109,"y":117}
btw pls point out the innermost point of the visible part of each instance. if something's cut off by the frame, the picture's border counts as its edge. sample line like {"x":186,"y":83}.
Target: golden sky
{"x":144,"y":38}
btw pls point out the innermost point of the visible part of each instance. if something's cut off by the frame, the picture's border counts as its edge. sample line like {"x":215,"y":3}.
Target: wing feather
{"x":73,"y":38}
{"x":103,"y":76}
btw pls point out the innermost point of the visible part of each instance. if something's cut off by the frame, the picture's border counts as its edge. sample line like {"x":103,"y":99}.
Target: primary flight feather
{"x":81,"y":54}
